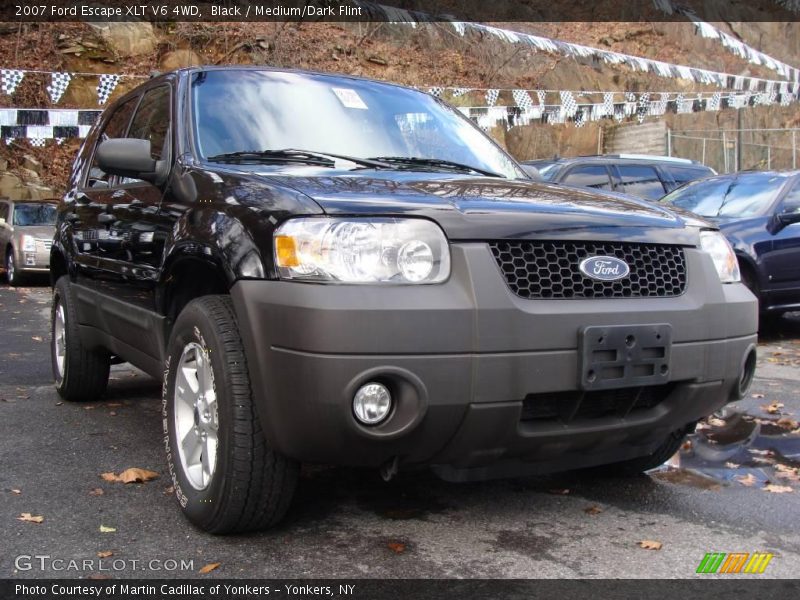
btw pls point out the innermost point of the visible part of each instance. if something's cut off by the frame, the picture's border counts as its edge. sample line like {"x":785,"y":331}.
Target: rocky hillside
{"x":425,"y":56}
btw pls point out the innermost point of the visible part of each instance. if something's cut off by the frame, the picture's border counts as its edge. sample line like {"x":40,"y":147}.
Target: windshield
{"x":247,"y":110}
{"x":548,"y":170}
{"x":743,"y":196}
{"x":34,"y":214}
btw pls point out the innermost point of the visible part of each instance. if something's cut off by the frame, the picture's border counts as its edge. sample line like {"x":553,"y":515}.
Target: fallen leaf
{"x":104,"y":529}
{"x":777,"y":489}
{"x":650,"y":545}
{"x":36,"y":338}
{"x":773,"y":408}
{"x":105,"y":554}
{"x":749,"y":480}
{"x":114,"y":404}
{"x":757,"y":396}
{"x":592,"y":510}
{"x":209,"y":567}
{"x":559,"y":492}
{"x":29,"y":518}
{"x":132,"y":475}
{"x":169,"y":491}
{"x":16,"y":491}
{"x":88,"y":408}
{"x":112,"y":413}
{"x":397,"y":547}
{"x":788,"y":423}
{"x":96,"y":492}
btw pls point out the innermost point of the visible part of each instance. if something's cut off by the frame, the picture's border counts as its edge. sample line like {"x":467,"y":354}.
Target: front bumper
{"x":36,"y":261}
{"x":465,"y":359}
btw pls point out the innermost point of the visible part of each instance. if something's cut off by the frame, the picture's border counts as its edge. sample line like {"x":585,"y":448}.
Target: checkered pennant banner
{"x":642,"y":106}
{"x":39,"y":124}
{"x":59,"y":82}
{"x":659,"y":107}
{"x":458,"y":92}
{"x":436,"y":91}
{"x":580,"y":118}
{"x":684,"y":105}
{"x":37,"y":142}
{"x":714,"y":102}
{"x":492,"y":96}
{"x":10,"y":79}
{"x":608,"y":104}
{"x":106,"y":87}
{"x":522,"y":99}
{"x":541,"y":95}
{"x":568,"y":105}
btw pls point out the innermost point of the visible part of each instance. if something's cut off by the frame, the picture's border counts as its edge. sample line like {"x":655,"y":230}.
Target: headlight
{"x":722,"y":254}
{"x":352,"y":250}
{"x":28,"y":243}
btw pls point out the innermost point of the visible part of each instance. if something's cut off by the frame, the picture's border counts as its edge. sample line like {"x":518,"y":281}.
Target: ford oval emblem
{"x":604,"y":268}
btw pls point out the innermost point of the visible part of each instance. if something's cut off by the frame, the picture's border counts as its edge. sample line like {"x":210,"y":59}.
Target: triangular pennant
{"x":522,"y":98}
{"x":59,"y":82}
{"x":10,"y":79}
{"x":492,"y":96}
{"x":436,"y":91}
{"x":106,"y":87}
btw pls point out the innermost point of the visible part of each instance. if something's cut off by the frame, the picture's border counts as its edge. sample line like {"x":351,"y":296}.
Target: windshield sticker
{"x":349,"y":98}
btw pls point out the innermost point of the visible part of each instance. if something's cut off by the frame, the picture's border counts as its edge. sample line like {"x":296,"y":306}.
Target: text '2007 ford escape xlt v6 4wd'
{"x":334,"y":270}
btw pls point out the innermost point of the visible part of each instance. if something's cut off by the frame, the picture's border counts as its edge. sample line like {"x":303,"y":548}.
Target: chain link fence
{"x":730,"y":150}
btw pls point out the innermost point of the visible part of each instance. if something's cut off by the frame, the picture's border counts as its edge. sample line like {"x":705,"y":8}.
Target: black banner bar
{"x":397,"y":10}
{"x":707,"y":587}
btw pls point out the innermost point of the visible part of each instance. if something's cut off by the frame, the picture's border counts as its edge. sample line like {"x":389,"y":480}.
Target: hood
{"x":42,"y":232}
{"x":472,"y":208}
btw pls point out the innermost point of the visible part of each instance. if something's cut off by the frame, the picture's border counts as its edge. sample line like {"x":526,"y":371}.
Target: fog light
{"x":372,"y":403}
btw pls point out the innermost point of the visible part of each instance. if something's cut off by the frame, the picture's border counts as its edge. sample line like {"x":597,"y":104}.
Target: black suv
{"x":641,"y":175}
{"x":328,"y":269}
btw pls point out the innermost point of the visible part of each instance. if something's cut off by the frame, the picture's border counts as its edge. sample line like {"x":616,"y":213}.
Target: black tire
{"x":83,"y":375}
{"x":12,"y":275}
{"x":662,"y":454}
{"x":251,"y":485}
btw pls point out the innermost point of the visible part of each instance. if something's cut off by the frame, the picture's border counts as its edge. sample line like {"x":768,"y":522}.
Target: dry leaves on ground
{"x":397,"y":547}
{"x":650,"y":545}
{"x":106,"y":529}
{"x":16,"y":491}
{"x":772,"y":408}
{"x":105,"y":554}
{"x":96,"y":492}
{"x":559,"y":492}
{"x":592,"y":510}
{"x":209,"y":567}
{"x":36,"y":338}
{"x":749,"y":480}
{"x":29,"y":518}
{"x":133,"y":475}
{"x":778,"y":489}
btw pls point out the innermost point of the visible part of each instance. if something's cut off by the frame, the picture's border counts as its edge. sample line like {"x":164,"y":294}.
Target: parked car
{"x":26,"y":234}
{"x":328,"y":269}
{"x":641,"y":175}
{"x":759,"y":213}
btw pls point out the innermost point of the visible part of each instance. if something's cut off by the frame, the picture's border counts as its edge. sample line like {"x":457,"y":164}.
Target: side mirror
{"x":532,"y":172}
{"x":130,"y":157}
{"x":790,"y":216}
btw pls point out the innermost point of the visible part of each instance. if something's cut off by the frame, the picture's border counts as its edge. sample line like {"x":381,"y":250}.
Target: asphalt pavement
{"x":734,"y":488}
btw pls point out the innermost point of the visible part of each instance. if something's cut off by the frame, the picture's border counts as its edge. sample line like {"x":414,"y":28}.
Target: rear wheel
{"x":226,"y":477}
{"x":80,"y":373}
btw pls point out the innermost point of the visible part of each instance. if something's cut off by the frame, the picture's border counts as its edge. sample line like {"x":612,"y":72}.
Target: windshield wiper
{"x":291,"y":155}
{"x":418,"y":161}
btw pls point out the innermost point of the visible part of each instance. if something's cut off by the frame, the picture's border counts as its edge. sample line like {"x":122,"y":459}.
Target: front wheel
{"x":226,"y":477}
{"x":12,"y":275}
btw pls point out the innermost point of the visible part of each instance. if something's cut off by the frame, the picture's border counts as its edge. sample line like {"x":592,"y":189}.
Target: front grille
{"x":565,"y":407}
{"x":536,"y":269}
{"x":46,"y":244}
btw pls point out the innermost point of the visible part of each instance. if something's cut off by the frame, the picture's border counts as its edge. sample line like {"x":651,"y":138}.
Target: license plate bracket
{"x":619,"y":356}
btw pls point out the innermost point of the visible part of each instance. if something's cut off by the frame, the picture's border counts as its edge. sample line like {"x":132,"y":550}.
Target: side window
{"x":640,"y":180}
{"x":791,"y":202}
{"x":4,"y":211}
{"x":152,"y":121}
{"x":683,"y":175}
{"x":115,"y":127}
{"x":591,"y":176}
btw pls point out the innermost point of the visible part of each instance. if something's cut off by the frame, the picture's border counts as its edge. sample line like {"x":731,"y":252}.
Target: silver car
{"x":26,"y":235}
